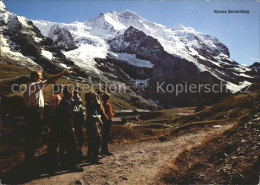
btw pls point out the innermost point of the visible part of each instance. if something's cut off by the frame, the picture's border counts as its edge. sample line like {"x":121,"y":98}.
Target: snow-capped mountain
{"x":123,"y":47}
{"x":23,"y":44}
{"x":93,"y":37}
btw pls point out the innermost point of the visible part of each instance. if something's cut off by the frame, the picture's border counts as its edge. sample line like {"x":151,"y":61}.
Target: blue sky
{"x":239,"y":32}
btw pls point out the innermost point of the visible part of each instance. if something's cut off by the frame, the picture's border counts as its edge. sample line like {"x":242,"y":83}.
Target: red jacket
{"x":108,"y":110}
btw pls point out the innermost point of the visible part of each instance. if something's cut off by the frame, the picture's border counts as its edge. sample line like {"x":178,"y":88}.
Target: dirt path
{"x":138,"y":163}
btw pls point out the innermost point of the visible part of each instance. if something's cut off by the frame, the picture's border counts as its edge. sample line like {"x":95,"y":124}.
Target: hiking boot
{"x":97,"y":162}
{"x":101,"y":156}
{"x":76,"y":168}
{"x":107,"y":153}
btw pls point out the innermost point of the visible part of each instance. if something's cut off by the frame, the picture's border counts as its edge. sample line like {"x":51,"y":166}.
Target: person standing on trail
{"x":64,"y":131}
{"x":106,"y":125}
{"x":54,"y":101}
{"x":104,"y":117}
{"x":34,"y":102}
{"x":78,"y":118}
{"x":94,"y":126}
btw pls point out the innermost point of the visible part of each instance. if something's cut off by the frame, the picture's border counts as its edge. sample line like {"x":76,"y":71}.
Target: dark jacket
{"x":64,"y":116}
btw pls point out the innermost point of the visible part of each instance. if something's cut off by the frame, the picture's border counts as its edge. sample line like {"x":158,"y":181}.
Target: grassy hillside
{"x":7,"y":71}
{"x":231,"y":158}
{"x":164,"y":116}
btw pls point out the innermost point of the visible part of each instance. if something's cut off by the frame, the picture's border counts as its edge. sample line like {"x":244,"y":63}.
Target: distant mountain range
{"x":124,"y":48}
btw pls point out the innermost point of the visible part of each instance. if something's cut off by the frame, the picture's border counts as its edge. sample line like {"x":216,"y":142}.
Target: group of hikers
{"x":66,"y":117}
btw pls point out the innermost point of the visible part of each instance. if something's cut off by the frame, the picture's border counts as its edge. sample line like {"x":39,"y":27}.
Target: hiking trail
{"x":135,"y":163}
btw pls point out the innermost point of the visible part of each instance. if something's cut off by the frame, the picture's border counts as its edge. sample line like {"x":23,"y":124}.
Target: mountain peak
{"x":125,"y":14}
{"x":101,"y":15}
{"x":112,"y":22}
{"x":179,"y":27}
{"x":2,"y":6}
{"x":129,"y":12}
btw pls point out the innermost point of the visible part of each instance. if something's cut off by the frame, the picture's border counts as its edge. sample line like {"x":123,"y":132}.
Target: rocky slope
{"x":22,"y":44}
